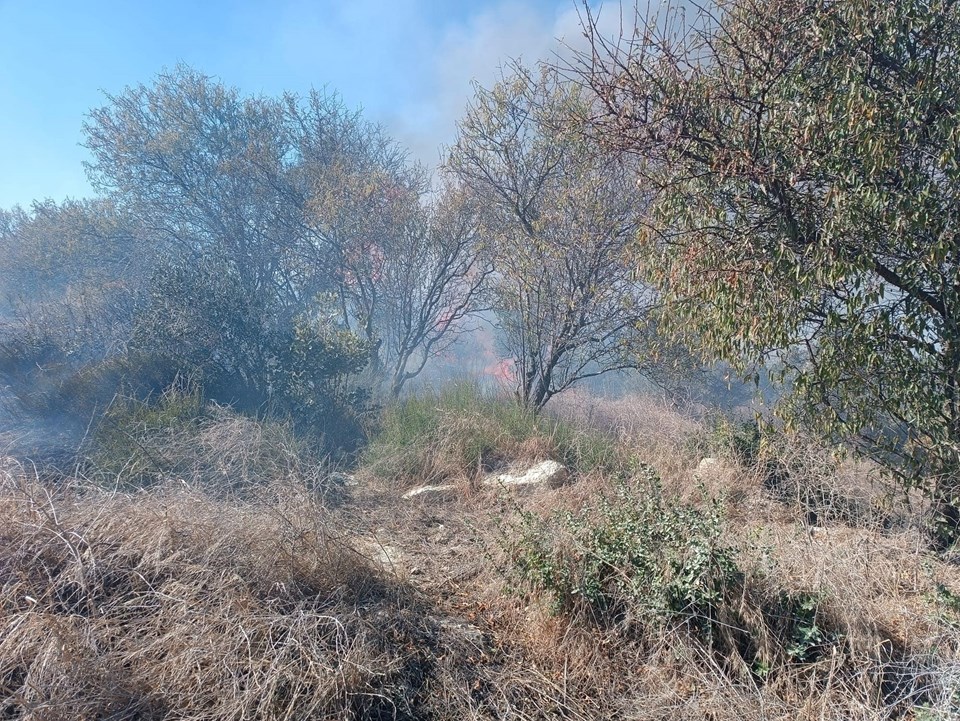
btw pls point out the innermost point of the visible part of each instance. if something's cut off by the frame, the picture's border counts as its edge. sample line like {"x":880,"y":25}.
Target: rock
{"x":549,"y":473}
{"x":712,"y":468}
{"x":429,"y":491}
{"x":384,"y":554}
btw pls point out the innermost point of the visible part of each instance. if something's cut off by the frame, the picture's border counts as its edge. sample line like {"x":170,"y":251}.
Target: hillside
{"x":776,"y":581}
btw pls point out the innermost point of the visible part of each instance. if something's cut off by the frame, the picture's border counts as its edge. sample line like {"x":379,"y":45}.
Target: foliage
{"x":559,"y":214}
{"x":463,"y":431}
{"x":71,"y":288}
{"x":244,"y":352}
{"x":805,"y":161}
{"x":54,"y":251}
{"x":643,"y":563}
{"x":127,"y":445}
{"x":639,"y":558}
{"x":430,"y":284}
{"x":739,"y":440}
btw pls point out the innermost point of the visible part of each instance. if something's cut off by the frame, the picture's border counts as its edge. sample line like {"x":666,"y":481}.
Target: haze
{"x":409,"y":64}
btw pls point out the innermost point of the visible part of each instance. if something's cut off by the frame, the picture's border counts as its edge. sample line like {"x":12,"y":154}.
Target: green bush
{"x":638,"y":558}
{"x":463,"y":432}
{"x":641,"y":562}
{"x":247,"y":351}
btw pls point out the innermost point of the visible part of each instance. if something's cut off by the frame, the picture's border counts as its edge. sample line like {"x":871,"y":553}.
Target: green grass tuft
{"x":463,"y":431}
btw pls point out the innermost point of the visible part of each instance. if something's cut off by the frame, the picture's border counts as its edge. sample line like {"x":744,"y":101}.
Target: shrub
{"x":204,"y":445}
{"x":462,"y":432}
{"x":737,"y":440}
{"x":641,"y":563}
{"x":638,"y":559}
{"x":247,"y":351}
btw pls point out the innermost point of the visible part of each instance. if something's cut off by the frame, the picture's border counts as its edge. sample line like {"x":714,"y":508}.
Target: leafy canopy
{"x":805,"y":162}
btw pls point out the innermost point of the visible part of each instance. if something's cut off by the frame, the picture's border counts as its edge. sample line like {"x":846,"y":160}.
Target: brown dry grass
{"x":647,"y":426}
{"x":876,"y":586}
{"x":173,"y":603}
{"x":219,"y":451}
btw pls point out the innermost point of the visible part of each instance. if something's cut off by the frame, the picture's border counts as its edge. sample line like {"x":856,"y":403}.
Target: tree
{"x":409,"y":267}
{"x":433,"y":282}
{"x":301,"y":199}
{"x":558,"y":217}
{"x":805,"y":161}
{"x":52,"y":248}
{"x":210,"y":171}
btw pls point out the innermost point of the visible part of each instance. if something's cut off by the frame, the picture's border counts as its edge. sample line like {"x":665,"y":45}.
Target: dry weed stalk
{"x":175,"y":604}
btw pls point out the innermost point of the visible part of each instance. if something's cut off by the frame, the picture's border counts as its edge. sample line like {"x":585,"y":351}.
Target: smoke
{"x":475,"y":50}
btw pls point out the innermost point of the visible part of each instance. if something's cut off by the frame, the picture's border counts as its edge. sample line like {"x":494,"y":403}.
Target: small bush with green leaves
{"x":463,"y":431}
{"x":641,"y":562}
{"x":639,"y":557}
{"x":129,"y":438}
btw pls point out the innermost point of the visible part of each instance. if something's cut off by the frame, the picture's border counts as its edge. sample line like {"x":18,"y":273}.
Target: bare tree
{"x":432,"y":284}
{"x":559,"y":216}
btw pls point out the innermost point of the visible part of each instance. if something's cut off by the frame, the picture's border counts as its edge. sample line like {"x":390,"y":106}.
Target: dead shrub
{"x":823,"y":484}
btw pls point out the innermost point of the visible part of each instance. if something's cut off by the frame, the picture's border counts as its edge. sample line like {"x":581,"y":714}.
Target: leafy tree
{"x":207,"y":170}
{"x":301,"y":199}
{"x":558,"y":216}
{"x":52,"y":250}
{"x":409,"y":267}
{"x":805,"y":158}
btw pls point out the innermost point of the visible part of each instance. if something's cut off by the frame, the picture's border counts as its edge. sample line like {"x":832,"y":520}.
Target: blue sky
{"x":408,"y":63}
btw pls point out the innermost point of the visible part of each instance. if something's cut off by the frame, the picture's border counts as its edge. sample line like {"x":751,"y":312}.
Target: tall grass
{"x":176,"y":605}
{"x":176,"y":436}
{"x":462,"y":432}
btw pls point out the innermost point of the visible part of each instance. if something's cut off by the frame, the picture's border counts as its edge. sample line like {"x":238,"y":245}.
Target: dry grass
{"x":462,"y":433}
{"x":653,"y":430}
{"x":893,"y":606}
{"x":177,"y":603}
{"x":174,"y":605}
{"x":213,"y":448}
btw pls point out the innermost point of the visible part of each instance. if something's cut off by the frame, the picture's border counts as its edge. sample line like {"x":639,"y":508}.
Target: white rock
{"x":429,"y":491}
{"x":549,"y":473}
